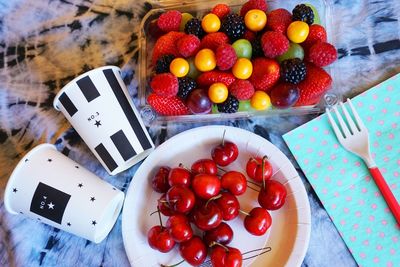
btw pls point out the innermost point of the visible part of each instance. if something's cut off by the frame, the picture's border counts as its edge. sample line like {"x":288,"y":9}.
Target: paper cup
{"x":49,"y":187}
{"x":98,"y":106}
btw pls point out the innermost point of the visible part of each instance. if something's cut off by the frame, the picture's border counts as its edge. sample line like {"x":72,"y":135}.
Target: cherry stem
{"x":253,"y":189}
{"x":173,"y":265}
{"x":265,"y":250}
{"x":165,"y":201}
{"x":223,"y":138}
{"x":159,"y":216}
{"x":243,"y":212}
{"x":213,"y":243}
{"x":153,"y":212}
{"x":219,"y":168}
{"x":213,"y":198}
{"x":263,"y":168}
{"x":253,"y":183}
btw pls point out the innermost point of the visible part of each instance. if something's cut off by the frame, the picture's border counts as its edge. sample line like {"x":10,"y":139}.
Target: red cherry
{"x":207,"y":216}
{"x":159,"y":182}
{"x":273,"y":196}
{"x":254,"y":169}
{"x":229,"y":206}
{"x":225,"y":153}
{"x":225,"y":257}
{"x":206,"y":166}
{"x":258,"y":221}
{"x":179,"y":176}
{"x":222,"y":234}
{"x":159,"y":239}
{"x":164,"y":207}
{"x":179,"y":228}
{"x":206,"y":186}
{"x":180,"y":198}
{"x":193,"y":251}
{"x":235,"y":182}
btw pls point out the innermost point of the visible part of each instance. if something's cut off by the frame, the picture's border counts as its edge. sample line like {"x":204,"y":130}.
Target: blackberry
{"x":257,"y":47}
{"x":303,"y":13}
{"x":193,"y":26}
{"x":233,"y":26}
{"x":293,"y":70}
{"x":186,"y":85}
{"x":162,"y":64}
{"x":230,"y":105}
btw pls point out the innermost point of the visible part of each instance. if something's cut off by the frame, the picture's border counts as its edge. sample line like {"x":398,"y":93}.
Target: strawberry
{"x":241,"y":89}
{"x":279,"y":20}
{"x":167,"y":106}
{"x":221,"y":10}
{"x":165,"y":45}
{"x":274,"y":44}
{"x":188,"y":45}
{"x":266,"y":73}
{"x":253,"y":4}
{"x":170,"y":21}
{"x":316,"y":34}
{"x":165,"y":84}
{"x":322,"y":54}
{"x":213,"y":40}
{"x":207,"y":78}
{"x":225,"y":56}
{"x":316,"y":83}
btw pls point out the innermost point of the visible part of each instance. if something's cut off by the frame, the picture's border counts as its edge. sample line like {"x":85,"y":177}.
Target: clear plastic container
{"x":198,"y":9}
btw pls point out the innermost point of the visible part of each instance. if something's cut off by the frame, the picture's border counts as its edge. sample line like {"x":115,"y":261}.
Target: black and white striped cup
{"x":52,"y":188}
{"x":98,"y":106}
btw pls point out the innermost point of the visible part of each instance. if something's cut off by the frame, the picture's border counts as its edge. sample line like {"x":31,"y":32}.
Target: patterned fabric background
{"x":44,"y":44}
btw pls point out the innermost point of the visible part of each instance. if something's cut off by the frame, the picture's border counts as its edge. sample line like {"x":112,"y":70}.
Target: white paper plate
{"x":289,"y":234}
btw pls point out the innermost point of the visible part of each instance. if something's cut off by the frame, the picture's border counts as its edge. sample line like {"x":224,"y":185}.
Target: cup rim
{"x":134,"y":160}
{"x":68,"y":85}
{"x":16,"y":170}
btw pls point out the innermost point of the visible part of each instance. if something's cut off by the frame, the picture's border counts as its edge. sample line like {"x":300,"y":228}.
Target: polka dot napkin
{"x":342,"y":182}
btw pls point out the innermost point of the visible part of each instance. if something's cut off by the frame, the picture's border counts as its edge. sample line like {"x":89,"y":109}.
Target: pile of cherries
{"x":202,"y":198}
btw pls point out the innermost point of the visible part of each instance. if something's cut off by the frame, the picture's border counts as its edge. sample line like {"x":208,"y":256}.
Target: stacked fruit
{"x":228,"y":62}
{"x":199,"y":201}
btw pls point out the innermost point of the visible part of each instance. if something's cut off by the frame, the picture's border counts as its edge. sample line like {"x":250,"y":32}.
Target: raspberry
{"x":230,"y":105}
{"x":186,"y":85}
{"x":274,"y":44}
{"x":293,"y":70}
{"x":167,"y":106}
{"x":165,"y":84}
{"x":303,"y":13}
{"x":233,"y":25}
{"x":253,"y":4}
{"x":322,"y":54}
{"x":213,"y":40}
{"x":193,"y":26}
{"x":317,"y":33}
{"x":166,"y":45}
{"x":188,"y":45}
{"x":207,"y":78}
{"x":242,"y":89}
{"x":170,"y":21}
{"x":279,"y":20}
{"x":226,"y":56}
{"x":221,"y":10}
{"x":162,"y":65}
{"x":249,"y":35}
{"x":266,"y":73}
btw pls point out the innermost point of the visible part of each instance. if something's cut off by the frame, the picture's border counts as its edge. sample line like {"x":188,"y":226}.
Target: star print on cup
{"x":97,"y":123}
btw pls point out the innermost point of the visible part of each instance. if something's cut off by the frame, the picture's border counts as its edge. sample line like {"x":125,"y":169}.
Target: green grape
{"x":294,"y":51}
{"x":245,"y":105}
{"x":316,"y":15}
{"x":185,"y":18}
{"x":193,"y":71}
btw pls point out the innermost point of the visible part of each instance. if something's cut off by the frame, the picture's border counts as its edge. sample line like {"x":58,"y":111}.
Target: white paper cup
{"x":98,"y":106}
{"x":49,"y":187}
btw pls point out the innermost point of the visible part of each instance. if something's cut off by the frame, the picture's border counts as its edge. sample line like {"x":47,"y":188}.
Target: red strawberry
{"x":316,"y":34}
{"x":253,"y":4}
{"x":274,"y":44}
{"x":241,"y":89}
{"x":188,"y":45}
{"x":167,"y":106}
{"x":165,"y":45}
{"x":165,"y":84}
{"x":221,"y":10}
{"x":265,"y":73}
{"x":170,"y":21}
{"x":226,"y":56}
{"x":322,"y":54}
{"x":207,"y":78}
{"x":279,"y":20}
{"x":213,"y":40}
{"x":316,"y":83}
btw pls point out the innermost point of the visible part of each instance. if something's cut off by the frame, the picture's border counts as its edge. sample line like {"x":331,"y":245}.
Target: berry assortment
{"x":200,"y":201}
{"x":226,"y":61}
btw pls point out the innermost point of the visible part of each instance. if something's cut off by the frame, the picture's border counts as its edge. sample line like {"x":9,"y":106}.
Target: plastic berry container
{"x":198,"y":9}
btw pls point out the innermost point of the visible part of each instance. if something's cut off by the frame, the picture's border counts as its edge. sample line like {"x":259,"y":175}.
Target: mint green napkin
{"x":342,"y":182}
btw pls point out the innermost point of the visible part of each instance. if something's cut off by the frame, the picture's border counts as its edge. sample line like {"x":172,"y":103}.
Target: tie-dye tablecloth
{"x":43,"y":44}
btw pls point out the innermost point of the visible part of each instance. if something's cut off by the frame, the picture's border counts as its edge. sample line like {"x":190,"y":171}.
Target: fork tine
{"x":353,"y":127}
{"x":342,"y":124}
{"x":356,"y":116}
{"x":334,"y":126}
